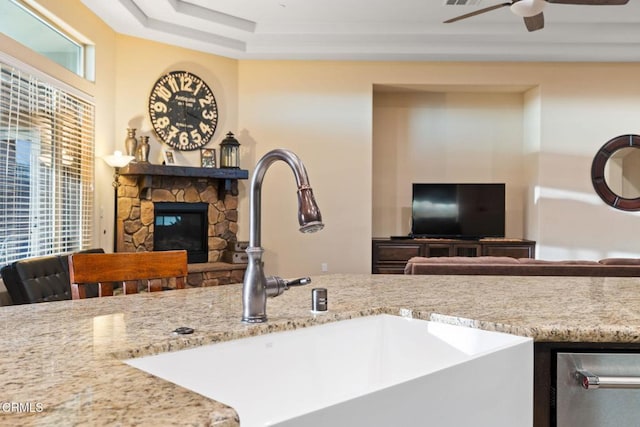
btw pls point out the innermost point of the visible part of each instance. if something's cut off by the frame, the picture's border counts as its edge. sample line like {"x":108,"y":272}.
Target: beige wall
{"x":582,"y":107}
{"x":531,"y":166}
{"x":324,"y":111}
{"x":321,"y":111}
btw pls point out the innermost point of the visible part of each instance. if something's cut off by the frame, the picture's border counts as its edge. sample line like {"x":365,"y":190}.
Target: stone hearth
{"x":137,"y":193}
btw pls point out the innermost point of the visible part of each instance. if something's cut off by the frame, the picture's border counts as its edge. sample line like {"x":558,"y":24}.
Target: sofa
{"x":41,"y":279}
{"x":505,"y":266}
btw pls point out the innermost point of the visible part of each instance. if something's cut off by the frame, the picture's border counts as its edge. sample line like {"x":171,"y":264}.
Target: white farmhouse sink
{"x":372,"y":371}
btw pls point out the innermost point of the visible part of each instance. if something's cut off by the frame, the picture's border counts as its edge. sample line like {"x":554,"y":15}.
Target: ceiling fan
{"x":531,"y":10}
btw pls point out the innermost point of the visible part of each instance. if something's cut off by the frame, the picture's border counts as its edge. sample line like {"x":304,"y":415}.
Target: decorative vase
{"x":130,"y":143}
{"x":142,"y":155}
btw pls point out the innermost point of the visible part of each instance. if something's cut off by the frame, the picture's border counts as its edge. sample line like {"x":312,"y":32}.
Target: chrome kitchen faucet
{"x":257,"y":287}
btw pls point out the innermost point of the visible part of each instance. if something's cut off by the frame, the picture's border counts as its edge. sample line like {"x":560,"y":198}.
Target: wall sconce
{"x":230,"y":152}
{"x":117,"y":161}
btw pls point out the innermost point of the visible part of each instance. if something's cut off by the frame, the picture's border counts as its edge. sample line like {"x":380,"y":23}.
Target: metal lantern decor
{"x":230,"y":152}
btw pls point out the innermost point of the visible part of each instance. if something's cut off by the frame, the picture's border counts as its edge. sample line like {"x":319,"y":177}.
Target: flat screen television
{"x":460,"y":211}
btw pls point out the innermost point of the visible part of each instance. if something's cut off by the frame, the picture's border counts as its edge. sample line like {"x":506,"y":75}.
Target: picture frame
{"x":169,"y":156}
{"x":208,"y":158}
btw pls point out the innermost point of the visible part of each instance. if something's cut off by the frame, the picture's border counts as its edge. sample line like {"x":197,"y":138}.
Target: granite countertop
{"x":62,"y":361}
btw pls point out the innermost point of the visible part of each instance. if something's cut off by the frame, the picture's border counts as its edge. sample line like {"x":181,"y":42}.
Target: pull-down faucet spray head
{"x":309,"y":216}
{"x":257,"y":287}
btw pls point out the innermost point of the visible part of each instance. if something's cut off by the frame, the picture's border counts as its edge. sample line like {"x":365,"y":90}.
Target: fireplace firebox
{"x":180,"y":225}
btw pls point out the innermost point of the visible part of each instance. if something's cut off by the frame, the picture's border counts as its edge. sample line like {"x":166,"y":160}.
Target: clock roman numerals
{"x":183,"y":110}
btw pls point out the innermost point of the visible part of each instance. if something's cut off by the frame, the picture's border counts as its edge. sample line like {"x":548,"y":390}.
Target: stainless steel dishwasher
{"x":598,"y":389}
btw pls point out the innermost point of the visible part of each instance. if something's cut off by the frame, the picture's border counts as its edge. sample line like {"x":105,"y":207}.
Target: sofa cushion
{"x":521,"y":267}
{"x":464,"y":260}
{"x":620,"y":261}
{"x":459,"y":265}
{"x":559,"y":263}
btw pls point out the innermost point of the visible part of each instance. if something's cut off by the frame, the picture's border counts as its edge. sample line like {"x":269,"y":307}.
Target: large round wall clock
{"x":183,"y":110}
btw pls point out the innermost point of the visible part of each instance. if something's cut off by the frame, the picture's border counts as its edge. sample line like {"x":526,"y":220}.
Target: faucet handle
{"x":301,"y":281}
{"x":277,"y":285}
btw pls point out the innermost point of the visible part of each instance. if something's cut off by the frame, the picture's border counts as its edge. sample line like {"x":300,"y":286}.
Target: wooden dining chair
{"x":155,"y":270}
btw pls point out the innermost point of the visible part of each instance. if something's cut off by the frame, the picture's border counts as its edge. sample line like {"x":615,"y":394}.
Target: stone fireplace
{"x":187,"y":208}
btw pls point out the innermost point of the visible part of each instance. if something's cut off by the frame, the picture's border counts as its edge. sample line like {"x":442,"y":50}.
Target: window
{"x":34,"y":31}
{"x":46,"y":167}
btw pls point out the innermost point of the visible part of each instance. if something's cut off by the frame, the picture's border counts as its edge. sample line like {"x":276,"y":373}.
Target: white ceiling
{"x":378,"y":29}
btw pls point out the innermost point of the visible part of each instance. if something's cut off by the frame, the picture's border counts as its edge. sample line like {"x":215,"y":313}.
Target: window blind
{"x":46,"y":167}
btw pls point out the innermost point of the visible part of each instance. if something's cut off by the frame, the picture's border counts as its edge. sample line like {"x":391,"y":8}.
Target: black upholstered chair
{"x":42,"y":279}
{"x":10,"y":280}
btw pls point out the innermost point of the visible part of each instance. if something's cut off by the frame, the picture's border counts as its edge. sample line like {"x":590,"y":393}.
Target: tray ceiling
{"x":378,"y":29}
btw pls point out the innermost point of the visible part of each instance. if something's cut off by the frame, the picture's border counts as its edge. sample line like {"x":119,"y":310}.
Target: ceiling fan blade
{"x":591,"y":2}
{"x":535,"y":22}
{"x":477,"y":12}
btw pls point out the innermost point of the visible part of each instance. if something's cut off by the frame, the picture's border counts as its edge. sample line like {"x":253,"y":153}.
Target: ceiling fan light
{"x":528,"y":8}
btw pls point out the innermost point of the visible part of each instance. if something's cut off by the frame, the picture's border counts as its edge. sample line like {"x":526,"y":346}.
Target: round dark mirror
{"x":615,"y":172}
{"x":622,"y":172}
